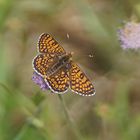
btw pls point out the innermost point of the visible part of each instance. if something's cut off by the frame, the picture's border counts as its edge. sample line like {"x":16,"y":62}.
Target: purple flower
{"x":129,"y":35}
{"x":39,"y":81}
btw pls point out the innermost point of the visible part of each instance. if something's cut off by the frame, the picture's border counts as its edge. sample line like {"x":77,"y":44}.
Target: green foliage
{"x":27,"y":113}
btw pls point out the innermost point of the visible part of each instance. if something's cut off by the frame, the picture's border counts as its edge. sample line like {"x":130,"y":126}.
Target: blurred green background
{"x":27,"y":113}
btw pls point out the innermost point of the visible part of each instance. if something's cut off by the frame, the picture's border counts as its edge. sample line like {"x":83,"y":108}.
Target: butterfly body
{"x":58,"y":70}
{"x":62,"y":61}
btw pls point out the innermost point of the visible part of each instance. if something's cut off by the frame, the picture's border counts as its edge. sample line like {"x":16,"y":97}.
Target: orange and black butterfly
{"x":58,"y":70}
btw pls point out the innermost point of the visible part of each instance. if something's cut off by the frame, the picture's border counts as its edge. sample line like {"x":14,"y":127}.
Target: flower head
{"x":129,"y":35}
{"x":39,"y":81}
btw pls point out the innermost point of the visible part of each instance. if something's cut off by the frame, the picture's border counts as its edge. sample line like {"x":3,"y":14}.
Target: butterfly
{"x":58,"y":69}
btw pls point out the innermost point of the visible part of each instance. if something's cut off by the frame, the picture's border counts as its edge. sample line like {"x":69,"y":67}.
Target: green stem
{"x":5,"y":88}
{"x":70,"y":122}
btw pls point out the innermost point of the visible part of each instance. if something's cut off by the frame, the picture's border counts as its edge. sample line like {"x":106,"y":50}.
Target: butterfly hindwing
{"x":79,"y":82}
{"x":47,"y":44}
{"x":57,"y":69}
{"x":59,"y":81}
{"x":42,"y":62}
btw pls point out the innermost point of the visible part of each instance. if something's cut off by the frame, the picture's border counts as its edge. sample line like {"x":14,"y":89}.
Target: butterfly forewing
{"x":79,"y":82}
{"x":59,"y":81}
{"x":47,"y":44}
{"x":58,"y":74}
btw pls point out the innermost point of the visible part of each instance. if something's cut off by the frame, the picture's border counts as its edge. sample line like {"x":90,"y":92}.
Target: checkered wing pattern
{"x":79,"y":83}
{"x":42,"y":62}
{"x":59,"y":81}
{"x":66,"y":75}
{"x":47,"y":44}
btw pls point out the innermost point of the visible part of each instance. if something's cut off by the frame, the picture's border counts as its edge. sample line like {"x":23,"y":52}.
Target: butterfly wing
{"x":42,"y":62}
{"x":79,"y":83}
{"x":59,"y":81}
{"x":47,"y":44}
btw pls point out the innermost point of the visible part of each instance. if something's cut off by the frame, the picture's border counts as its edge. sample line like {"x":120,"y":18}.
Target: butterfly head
{"x":70,"y":55}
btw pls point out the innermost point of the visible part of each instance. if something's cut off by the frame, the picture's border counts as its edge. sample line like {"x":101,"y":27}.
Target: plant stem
{"x":70,"y":122}
{"x":5,"y":88}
